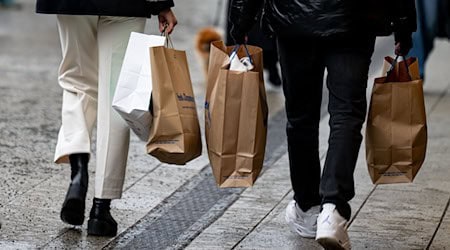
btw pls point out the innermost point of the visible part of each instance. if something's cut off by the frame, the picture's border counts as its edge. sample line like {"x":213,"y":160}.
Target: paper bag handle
{"x":168,"y":43}
{"x":236,"y":48}
{"x":395,"y":62}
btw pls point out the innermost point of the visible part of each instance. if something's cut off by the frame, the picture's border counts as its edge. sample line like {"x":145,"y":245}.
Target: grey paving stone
{"x":77,"y":238}
{"x":255,"y":203}
{"x":153,"y":189}
{"x":398,"y":219}
{"x":441,"y":240}
{"x":31,"y":226}
{"x":274,"y":233}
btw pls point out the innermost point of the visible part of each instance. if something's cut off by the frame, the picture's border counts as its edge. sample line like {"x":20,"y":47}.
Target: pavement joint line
{"x":361,"y":206}
{"x":145,"y":175}
{"x":444,"y":213}
{"x":43,"y":246}
{"x":439,"y":224}
{"x":31,"y":188}
{"x":262,"y":219}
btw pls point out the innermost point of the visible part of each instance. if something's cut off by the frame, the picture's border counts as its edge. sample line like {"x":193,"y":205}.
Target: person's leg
{"x":427,"y":30}
{"x":113,"y":134}
{"x":348,"y":64}
{"x":78,"y":78}
{"x":302,"y":73}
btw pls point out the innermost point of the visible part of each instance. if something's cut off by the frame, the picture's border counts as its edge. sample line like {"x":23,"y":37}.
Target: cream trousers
{"x":93,"y":49}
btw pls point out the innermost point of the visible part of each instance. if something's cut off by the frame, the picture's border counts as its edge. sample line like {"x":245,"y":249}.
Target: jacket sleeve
{"x":158,"y":5}
{"x":243,"y":15}
{"x":405,"y":13}
{"x":405,"y":23}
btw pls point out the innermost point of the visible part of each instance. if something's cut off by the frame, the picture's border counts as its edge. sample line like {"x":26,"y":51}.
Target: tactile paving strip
{"x":168,"y":226}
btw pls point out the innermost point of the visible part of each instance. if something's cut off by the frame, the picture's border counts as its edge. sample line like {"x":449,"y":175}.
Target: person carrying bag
{"x":94,"y":37}
{"x":339,"y":37}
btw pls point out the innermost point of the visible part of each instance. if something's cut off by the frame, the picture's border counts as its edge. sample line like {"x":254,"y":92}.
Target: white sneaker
{"x":302,"y":223}
{"x":331,"y":229}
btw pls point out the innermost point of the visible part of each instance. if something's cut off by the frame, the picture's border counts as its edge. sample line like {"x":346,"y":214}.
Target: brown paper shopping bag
{"x":396,"y":134}
{"x":175,"y":134}
{"x":235,"y":117}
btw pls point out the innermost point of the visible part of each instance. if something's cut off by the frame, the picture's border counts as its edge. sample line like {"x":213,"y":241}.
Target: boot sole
{"x":72,"y":212}
{"x":330,"y":244}
{"x":100,"y":228}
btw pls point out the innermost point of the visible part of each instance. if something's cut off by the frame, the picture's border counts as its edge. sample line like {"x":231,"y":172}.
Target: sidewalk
{"x":171,"y":207}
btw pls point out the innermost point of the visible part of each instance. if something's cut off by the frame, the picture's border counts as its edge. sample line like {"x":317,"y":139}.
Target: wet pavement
{"x":172,"y":207}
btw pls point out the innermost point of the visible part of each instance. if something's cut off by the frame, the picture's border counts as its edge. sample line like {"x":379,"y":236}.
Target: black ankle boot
{"x":72,"y":211}
{"x":101,"y":223}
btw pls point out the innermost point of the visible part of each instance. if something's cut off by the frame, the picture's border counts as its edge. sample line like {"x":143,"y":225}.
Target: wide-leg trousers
{"x":93,"y":48}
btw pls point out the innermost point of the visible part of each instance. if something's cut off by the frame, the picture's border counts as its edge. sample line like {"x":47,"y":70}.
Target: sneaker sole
{"x":302,"y":234}
{"x":330,"y":243}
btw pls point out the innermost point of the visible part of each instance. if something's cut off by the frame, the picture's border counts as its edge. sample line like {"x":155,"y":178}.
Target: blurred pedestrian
{"x":94,"y":37}
{"x":314,"y":36}
{"x":256,"y":36}
{"x":9,"y":4}
{"x":433,"y":20}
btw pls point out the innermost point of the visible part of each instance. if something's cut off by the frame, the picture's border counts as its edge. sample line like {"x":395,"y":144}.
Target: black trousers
{"x":303,"y":62}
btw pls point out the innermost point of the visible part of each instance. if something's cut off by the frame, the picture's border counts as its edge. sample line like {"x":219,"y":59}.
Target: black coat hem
{"x":122,"y":8}
{"x":85,"y":13}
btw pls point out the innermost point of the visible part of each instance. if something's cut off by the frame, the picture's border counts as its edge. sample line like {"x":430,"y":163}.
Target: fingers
{"x":170,"y":28}
{"x":161,"y":24}
{"x":172,"y":21}
{"x":167,"y":18}
{"x":401,"y":50}
{"x":398,"y":49}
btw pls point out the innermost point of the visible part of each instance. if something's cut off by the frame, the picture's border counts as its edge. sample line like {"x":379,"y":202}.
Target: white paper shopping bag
{"x":134,"y":87}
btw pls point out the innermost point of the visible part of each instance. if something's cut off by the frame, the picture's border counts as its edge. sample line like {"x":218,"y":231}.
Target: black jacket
{"x":127,"y":8}
{"x":326,"y":18}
